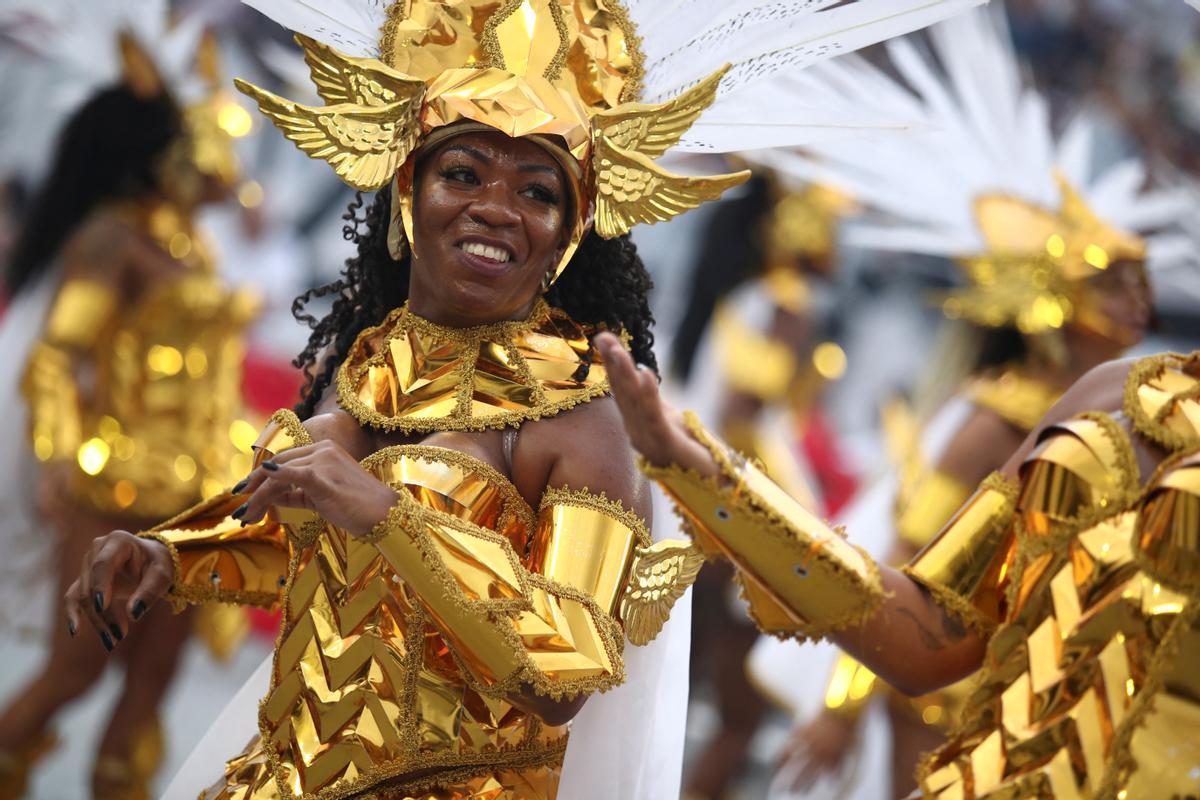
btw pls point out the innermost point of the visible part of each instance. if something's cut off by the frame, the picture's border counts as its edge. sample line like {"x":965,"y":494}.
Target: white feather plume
{"x":987,"y":132}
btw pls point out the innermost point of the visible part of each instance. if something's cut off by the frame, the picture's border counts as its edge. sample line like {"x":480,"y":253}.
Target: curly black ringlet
{"x":605,"y":284}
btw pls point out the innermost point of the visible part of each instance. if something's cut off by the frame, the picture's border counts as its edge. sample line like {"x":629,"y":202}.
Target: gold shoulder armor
{"x":1162,"y":397}
{"x":1083,"y":469}
{"x":660,"y":575}
{"x":1168,"y":528}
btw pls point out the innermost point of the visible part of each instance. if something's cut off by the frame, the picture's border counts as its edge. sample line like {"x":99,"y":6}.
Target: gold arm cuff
{"x":965,"y":565}
{"x":929,"y":506}
{"x":508,"y":628}
{"x":81,"y":311}
{"x":850,"y":688}
{"x":587,"y":542}
{"x":217,"y":559}
{"x":1168,"y":528}
{"x":816,"y":581}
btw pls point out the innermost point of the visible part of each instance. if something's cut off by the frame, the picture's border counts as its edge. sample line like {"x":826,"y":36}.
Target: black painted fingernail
{"x":240,"y":487}
{"x":270,"y":465}
{"x":107,"y":641}
{"x":139,"y":608}
{"x":98,"y":599}
{"x":242,"y":509}
{"x":70,"y":627}
{"x":116,"y":632}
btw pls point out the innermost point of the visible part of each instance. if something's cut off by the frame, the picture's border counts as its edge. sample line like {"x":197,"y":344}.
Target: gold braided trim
{"x":1121,"y":763}
{"x":1154,"y":427}
{"x":292,"y":426}
{"x":631,"y":91}
{"x":502,"y":612}
{"x":951,"y":602}
{"x":183,"y":594}
{"x":401,"y":321}
{"x":727,"y":486}
{"x":585,"y":498}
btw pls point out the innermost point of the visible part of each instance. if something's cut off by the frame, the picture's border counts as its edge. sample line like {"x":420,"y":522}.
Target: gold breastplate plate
{"x":364,"y":686}
{"x":1089,"y":636}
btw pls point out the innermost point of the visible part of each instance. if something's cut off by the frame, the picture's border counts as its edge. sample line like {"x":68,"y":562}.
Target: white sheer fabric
{"x":627,"y":742}
{"x":25,"y":539}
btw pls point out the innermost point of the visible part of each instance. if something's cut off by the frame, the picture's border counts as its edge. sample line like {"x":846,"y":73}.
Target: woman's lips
{"x":483,"y":258}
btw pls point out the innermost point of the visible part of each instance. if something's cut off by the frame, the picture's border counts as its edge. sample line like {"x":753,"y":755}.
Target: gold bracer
{"x":801,"y":577}
{"x":216,"y":556}
{"x":923,"y":510}
{"x":965,"y":565}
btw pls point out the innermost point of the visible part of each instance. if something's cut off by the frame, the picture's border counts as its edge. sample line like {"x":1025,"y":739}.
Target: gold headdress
{"x":542,"y":69}
{"x":1021,"y":211}
{"x":568,"y":75}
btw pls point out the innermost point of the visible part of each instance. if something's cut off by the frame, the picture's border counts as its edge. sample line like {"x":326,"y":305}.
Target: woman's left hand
{"x":320,"y":477}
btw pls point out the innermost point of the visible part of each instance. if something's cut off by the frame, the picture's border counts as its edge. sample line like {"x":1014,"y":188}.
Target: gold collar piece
{"x":414,"y":376}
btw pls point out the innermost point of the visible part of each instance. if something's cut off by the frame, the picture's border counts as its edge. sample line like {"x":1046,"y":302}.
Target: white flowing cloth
{"x":627,"y":742}
{"x":796,"y":675}
{"x":26,"y":573}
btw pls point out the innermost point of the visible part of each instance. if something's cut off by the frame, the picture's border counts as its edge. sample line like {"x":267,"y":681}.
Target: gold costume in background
{"x":399,"y":650}
{"x":924,"y":504}
{"x":142,"y":398}
{"x":1085,"y":578}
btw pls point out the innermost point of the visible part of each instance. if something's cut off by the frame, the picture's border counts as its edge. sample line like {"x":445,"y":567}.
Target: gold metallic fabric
{"x":1031,"y":274}
{"x":563,"y":73}
{"x":801,"y":577}
{"x":398,"y":650}
{"x":142,"y":397}
{"x":804,"y":224}
{"x":1162,"y":397}
{"x":967,"y":565}
{"x":1089,"y":688}
{"x":411,"y":375}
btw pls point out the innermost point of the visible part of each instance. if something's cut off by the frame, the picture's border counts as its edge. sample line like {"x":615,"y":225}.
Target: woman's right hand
{"x":655,"y":429}
{"x":122,"y":576}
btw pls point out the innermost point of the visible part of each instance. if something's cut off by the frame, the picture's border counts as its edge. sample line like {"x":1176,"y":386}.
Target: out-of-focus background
{"x":1134,"y":64}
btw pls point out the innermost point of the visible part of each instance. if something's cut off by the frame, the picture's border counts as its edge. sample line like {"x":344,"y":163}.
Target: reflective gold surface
{"x":1035,"y":262}
{"x":398,"y":650}
{"x":801,"y":577}
{"x":411,"y":375}
{"x":564,"y":73}
{"x":928,"y":505}
{"x":1089,"y":687}
{"x":142,"y":397}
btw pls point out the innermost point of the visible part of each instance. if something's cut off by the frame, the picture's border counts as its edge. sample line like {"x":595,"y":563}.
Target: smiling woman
{"x":453,"y":524}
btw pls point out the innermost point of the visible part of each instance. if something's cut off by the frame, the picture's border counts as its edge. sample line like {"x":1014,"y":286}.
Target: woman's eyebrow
{"x":536,"y":168}
{"x":479,"y":155}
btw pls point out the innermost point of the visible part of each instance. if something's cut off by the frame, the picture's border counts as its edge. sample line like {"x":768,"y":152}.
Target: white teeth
{"x":485,"y":250}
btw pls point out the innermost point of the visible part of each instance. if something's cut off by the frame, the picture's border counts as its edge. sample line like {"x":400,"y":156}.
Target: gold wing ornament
{"x":370,"y":125}
{"x":660,"y":574}
{"x":630,"y":187}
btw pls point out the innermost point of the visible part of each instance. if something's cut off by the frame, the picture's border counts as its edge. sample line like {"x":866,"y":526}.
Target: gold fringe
{"x":954,"y":603}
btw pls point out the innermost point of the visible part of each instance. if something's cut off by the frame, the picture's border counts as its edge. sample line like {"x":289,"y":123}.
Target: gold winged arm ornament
{"x":660,"y":575}
{"x":630,"y":187}
{"x":369,"y":128}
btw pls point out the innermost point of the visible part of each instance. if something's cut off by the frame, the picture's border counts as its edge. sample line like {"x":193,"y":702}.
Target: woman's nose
{"x":493,"y":206}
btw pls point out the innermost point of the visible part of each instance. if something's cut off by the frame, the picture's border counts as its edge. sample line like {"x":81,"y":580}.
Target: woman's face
{"x":1117,"y":305}
{"x":489,"y":220}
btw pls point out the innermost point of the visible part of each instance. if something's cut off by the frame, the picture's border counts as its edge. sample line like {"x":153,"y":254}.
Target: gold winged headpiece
{"x":563,"y":73}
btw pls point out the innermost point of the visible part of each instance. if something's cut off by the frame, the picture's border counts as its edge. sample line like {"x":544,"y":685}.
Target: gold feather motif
{"x":370,"y":125}
{"x":630,"y":187}
{"x":661,"y":573}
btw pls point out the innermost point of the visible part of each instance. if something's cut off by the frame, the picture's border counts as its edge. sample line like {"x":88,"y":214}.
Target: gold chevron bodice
{"x":1089,"y":687}
{"x":143,"y":397}
{"x":398,"y":651}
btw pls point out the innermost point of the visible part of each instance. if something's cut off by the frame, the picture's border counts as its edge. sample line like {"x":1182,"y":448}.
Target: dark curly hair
{"x":606,"y":284}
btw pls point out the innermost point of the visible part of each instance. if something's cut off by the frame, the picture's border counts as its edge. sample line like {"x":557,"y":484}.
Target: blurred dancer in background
{"x":133,"y":381}
{"x":754,"y":289}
